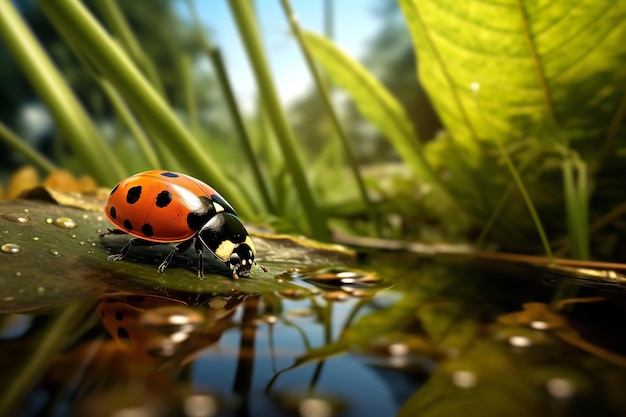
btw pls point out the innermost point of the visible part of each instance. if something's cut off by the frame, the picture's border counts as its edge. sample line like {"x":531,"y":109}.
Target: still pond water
{"x":400,"y":336}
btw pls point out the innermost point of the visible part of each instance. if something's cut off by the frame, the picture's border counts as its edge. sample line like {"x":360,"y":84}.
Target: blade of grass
{"x":118,"y":25}
{"x":186,"y":76}
{"x":14,"y":141}
{"x":373,"y":100}
{"x":576,"y":192}
{"x":225,"y":84}
{"x":332,"y":114}
{"x":244,"y":18}
{"x":131,"y":123}
{"x":222,"y":77}
{"x":73,"y":121}
{"x":47,"y":346}
{"x":81,"y":30}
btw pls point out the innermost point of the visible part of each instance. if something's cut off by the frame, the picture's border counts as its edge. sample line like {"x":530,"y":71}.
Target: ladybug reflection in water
{"x":168,"y":207}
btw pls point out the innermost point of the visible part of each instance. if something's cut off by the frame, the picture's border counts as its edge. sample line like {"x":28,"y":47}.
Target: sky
{"x":355,"y":25}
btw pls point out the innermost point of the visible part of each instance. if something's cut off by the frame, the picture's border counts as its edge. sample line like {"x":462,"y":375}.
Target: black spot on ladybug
{"x":114,"y":189}
{"x":170,"y":174}
{"x":133,"y":194}
{"x":163,"y":199}
{"x":122,"y":333}
{"x":128,"y":225}
{"x":113,"y":213}
{"x":146,"y":229}
{"x":119,"y":316}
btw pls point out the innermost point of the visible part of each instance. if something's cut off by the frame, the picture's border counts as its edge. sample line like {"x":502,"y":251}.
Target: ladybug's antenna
{"x":261,"y":266}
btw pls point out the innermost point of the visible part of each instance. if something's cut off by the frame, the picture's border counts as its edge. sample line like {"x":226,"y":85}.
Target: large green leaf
{"x":52,"y":254}
{"x":553,"y":69}
{"x":544,"y":78}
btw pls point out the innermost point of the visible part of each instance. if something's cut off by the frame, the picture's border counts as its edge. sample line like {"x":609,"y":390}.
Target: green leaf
{"x":518,"y":68}
{"x":47,"y":261}
{"x":373,"y":100}
{"x":536,"y":76}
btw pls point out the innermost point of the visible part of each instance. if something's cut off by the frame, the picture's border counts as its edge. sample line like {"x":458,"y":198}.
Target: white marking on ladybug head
{"x":243,"y":261}
{"x":218,"y":207}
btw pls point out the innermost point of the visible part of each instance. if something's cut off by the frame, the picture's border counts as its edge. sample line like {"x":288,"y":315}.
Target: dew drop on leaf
{"x":11,"y":248}
{"x":65,"y":223}
{"x":16,"y":217}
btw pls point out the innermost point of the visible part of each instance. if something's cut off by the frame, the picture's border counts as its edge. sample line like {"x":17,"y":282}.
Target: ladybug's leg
{"x":126,"y":247}
{"x":180,"y":248}
{"x":113,"y":232}
{"x":199,"y":250}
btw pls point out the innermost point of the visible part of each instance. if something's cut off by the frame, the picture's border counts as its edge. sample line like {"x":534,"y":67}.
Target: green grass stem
{"x":529,"y":203}
{"x":45,"y":349}
{"x":12,"y":140}
{"x":186,"y":76}
{"x":246,"y":24}
{"x":240,"y":128}
{"x":118,"y":25}
{"x":129,"y":120}
{"x":222,"y":77}
{"x":332,"y":114}
{"x":82,"y":31}
{"x":576,"y":206}
{"x":72,"y":120}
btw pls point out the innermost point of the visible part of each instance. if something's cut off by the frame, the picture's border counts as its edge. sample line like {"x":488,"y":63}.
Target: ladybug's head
{"x":241,"y":260}
{"x":228,"y":240}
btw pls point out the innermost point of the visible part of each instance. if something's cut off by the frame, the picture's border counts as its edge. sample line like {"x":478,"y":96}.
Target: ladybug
{"x":168,"y":207}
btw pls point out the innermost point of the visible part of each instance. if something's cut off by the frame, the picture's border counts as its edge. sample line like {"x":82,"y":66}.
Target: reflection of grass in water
{"x":67,"y":324}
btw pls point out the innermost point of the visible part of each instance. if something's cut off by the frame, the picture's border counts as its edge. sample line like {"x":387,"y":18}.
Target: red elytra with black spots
{"x":166,"y":207}
{"x":162,"y":206}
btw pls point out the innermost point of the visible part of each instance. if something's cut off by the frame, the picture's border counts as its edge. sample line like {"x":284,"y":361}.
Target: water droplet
{"x":54,"y":252}
{"x":400,"y":350}
{"x":73,"y":236}
{"x":18,"y":274}
{"x":294,"y":293}
{"x":464,"y":379}
{"x":540,"y":324}
{"x":346,"y":280}
{"x":336,"y":296}
{"x":171,"y":319}
{"x":10,"y":248}
{"x":560,"y":387}
{"x":520,"y":337}
{"x":475,"y":86}
{"x":300,"y":312}
{"x":49,"y":220}
{"x":65,"y":223}
{"x":16,"y":217}
{"x":41,"y":290}
{"x":315,"y":407}
{"x":35,"y":238}
{"x":201,"y":405}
